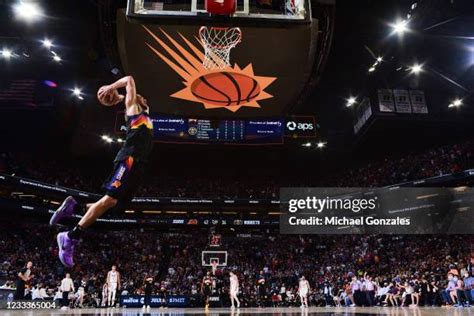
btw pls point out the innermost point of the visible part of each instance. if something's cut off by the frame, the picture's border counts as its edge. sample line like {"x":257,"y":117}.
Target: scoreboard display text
{"x":207,"y":131}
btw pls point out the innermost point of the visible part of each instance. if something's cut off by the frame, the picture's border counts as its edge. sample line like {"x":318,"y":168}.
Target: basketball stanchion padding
{"x":220,"y":7}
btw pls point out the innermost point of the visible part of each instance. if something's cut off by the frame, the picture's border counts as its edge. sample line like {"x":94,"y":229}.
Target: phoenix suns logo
{"x":208,"y":76}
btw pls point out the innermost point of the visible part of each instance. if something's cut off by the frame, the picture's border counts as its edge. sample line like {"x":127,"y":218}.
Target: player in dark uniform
{"x":206,"y":288}
{"x":163,"y":293}
{"x":125,"y":179}
{"x":148,"y":289}
{"x":261,"y":290}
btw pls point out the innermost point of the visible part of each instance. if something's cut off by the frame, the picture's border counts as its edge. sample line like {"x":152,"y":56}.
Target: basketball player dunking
{"x":130,"y":164}
{"x":113,"y":284}
{"x":303,"y":291}
{"x":206,"y":288}
{"x":234,"y":290}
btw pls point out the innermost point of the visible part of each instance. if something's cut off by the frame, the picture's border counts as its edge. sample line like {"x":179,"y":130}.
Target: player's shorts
{"x":261,"y":290}
{"x":124,"y":180}
{"x":234,"y":291}
{"x":113,"y":287}
{"x":304,"y":292}
{"x":207,"y":291}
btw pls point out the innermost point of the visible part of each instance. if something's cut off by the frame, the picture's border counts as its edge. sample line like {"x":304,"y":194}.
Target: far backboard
{"x":264,"y":9}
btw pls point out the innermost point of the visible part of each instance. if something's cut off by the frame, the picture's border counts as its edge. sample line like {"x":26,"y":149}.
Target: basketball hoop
{"x":218,"y":41}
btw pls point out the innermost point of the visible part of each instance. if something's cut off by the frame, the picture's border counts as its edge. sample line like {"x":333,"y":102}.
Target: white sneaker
{"x":143,"y":307}
{"x":64,"y":308}
{"x":352,"y":305}
{"x":148,"y":307}
{"x":302,"y":306}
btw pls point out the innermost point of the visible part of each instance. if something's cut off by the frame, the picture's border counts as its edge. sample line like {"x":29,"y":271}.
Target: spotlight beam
{"x":449,"y":79}
{"x":441,"y":23}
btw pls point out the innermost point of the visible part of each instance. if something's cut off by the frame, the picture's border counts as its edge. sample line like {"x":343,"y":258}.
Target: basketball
{"x":108,"y":99}
{"x":225,"y":88}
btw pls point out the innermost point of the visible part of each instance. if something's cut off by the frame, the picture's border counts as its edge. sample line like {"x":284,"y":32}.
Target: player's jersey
{"x":207,"y":281}
{"x":234,"y":283}
{"x":113,"y":277}
{"x":303,"y":286}
{"x":261,"y":281}
{"x":139,"y":140}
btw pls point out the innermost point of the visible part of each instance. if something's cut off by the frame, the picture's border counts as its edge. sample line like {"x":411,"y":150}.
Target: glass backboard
{"x":269,"y":9}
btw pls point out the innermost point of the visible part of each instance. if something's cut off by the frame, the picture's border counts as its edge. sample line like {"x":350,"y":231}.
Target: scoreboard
{"x":217,"y":131}
{"x":221,"y":131}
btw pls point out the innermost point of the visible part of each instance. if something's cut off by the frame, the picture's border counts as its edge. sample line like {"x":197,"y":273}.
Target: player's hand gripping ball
{"x":108,"y":97}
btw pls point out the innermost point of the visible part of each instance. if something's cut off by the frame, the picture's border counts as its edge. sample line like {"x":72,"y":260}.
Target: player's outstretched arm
{"x":126,"y":82}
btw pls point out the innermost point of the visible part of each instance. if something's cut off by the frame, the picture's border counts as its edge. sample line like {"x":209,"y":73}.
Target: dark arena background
{"x":258,"y":111}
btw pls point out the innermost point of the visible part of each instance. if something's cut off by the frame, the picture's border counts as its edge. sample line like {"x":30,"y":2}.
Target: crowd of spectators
{"x":413,"y":166}
{"x":342,"y":270}
{"x":334,"y":265}
{"x":397,"y":169}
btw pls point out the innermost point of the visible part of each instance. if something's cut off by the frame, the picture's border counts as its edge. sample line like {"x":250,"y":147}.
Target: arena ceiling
{"x":440,"y":39}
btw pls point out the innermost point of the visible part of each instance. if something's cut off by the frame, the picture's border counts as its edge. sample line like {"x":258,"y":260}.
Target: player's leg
{"x":104,"y":298}
{"x":68,"y":240}
{"x":96,"y":210}
{"x":109,"y":296}
{"x":68,"y":208}
{"x":114,"y":291}
{"x":237,"y":299}
{"x":231,"y":296}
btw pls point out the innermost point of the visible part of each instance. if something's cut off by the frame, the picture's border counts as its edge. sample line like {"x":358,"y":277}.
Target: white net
{"x":214,"y":267}
{"x":218,"y":41}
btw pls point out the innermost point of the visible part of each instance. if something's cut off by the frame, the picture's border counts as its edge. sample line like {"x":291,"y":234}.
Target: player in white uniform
{"x":113,"y":283}
{"x":303,"y":291}
{"x":234,"y":290}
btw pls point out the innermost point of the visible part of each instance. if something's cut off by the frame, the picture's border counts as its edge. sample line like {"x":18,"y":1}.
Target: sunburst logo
{"x":208,"y":76}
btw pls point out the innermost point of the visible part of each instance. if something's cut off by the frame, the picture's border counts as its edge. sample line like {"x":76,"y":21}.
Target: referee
{"x":24,"y":276}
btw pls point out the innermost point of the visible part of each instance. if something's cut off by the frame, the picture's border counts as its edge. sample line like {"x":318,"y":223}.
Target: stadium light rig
{"x":27,"y":11}
{"x":56,"y":57}
{"x":107,"y":139}
{"x":321,"y":145}
{"x":456,"y":103}
{"x":47,"y":43}
{"x":377,"y":62}
{"x":77,"y":93}
{"x":351,"y":101}
{"x":400,"y":27}
{"x":416,"y":69}
{"x":6,"y":53}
